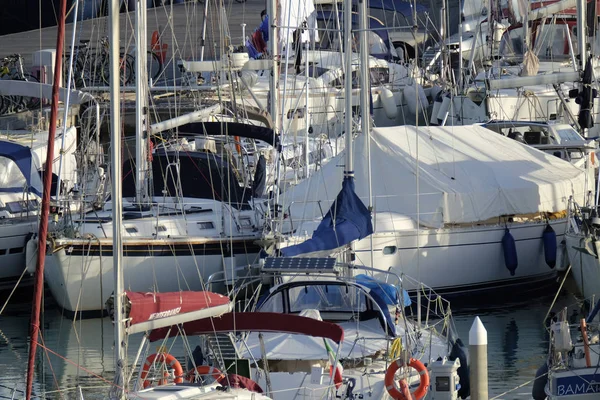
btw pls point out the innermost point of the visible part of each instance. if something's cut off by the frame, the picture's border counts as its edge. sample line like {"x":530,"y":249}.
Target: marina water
{"x":517,"y":339}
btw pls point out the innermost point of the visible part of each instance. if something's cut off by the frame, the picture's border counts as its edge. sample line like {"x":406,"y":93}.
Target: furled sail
{"x":348,"y":219}
{"x":147,"y":311}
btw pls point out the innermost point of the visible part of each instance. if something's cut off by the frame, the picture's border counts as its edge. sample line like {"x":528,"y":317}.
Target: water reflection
{"x":81,"y":352}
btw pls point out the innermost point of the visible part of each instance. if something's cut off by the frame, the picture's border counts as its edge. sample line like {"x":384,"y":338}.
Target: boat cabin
{"x":338,"y":301}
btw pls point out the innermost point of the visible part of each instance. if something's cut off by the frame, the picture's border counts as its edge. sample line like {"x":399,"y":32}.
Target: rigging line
{"x":556,"y":297}
{"x":13,"y":290}
{"x":54,"y":377}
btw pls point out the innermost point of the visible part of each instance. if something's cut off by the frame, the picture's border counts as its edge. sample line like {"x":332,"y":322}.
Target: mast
{"x":365,"y":92}
{"x":117,"y":197}
{"x":461,"y":15}
{"x":349,"y":167}
{"x":43,"y":229}
{"x":204,"y":30}
{"x":68,"y":98}
{"x":273,"y":48}
{"x":582,"y":33}
{"x":141,"y":104}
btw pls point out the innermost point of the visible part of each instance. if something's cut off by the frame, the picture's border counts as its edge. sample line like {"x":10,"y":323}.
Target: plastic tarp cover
{"x":348,"y":219}
{"x":466,"y":174}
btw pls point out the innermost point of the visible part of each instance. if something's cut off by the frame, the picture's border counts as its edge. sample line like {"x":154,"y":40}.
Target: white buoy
{"x":478,"y":360}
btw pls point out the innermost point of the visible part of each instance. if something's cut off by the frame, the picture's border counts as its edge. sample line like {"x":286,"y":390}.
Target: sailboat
{"x":192,"y":219}
{"x":150,"y":311}
{"x":23,"y":153}
{"x":571,"y":368}
{"x":515,"y":86}
{"x":294,"y":366}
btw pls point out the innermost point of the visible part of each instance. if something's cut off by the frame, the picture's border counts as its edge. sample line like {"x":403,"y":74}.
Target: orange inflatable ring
{"x":393,"y":389}
{"x":166,"y":358}
{"x":337,"y":379}
{"x":204,"y":370}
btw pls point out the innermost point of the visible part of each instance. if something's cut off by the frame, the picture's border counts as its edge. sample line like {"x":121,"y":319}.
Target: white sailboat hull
{"x":80,"y":273}
{"x":462,"y":259}
{"x":13,"y":238}
{"x":585,"y":267}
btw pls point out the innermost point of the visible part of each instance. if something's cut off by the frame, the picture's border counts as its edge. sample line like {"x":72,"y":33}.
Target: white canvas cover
{"x":466,"y":174}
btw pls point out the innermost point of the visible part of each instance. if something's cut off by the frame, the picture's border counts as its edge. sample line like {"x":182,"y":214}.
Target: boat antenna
{"x":43,"y":228}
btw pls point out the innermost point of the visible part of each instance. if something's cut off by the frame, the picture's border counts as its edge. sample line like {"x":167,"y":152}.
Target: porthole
{"x":387,"y":250}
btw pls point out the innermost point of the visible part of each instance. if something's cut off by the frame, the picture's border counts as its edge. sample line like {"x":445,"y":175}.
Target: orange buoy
{"x":399,"y":393}
{"x":166,"y":358}
{"x":204,"y":370}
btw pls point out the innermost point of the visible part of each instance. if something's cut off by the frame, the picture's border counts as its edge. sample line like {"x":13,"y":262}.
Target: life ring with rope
{"x":204,"y":370}
{"x":168,"y":360}
{"x":399,"y":393}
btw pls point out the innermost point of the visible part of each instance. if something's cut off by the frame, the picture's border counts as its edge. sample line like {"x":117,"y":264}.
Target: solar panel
{"x":294,"y":264}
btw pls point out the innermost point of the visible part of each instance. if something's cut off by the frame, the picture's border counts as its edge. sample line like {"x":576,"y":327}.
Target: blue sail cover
{"x":389,"y":293}
{"x":348,"y":219}
{"x":401,"y":6}
{"x":23,"y":158}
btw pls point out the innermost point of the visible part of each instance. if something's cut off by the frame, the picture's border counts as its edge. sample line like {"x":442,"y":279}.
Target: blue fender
{"x":459,"y":350}
{"x":550,"y":249}
{"x":538,"y":391}
{"x":510,"y":252}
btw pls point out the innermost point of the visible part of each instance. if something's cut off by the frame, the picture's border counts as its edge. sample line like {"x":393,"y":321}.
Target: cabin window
{"x":245,"y":223}
{"x":340,"y":82}
{"x":569,"y":135}
{"x":273,"y":304}
{"x":131,"y":229}
{"x":388,"y":250}
{"x":328,"y":298}
{"x":161,"y":228}
{"x":206,"y":225}
{"x":533,"y":137}
{"x":379,"y":75}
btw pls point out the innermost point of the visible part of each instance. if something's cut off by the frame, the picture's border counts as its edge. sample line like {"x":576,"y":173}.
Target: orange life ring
{"x":166,"y":358}
{"x":204,"y":370}
{"x":393,"y":389}
{"x":337,"y":379}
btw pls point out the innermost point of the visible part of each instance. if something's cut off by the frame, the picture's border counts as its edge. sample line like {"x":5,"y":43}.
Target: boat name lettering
{"x":578,"y":388}
{"x":163,"y":314}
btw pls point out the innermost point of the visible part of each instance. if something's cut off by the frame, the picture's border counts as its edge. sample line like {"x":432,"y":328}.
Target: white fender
{"x":388,"y":102}
{"x":444,"y":108}
{"x":563,"y":256}
{"x":250,"y":78}
{"x":437,"y":104}
{"x":410,"y":94}
{"x":434,"y":92}
{"x":31,"y":252}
